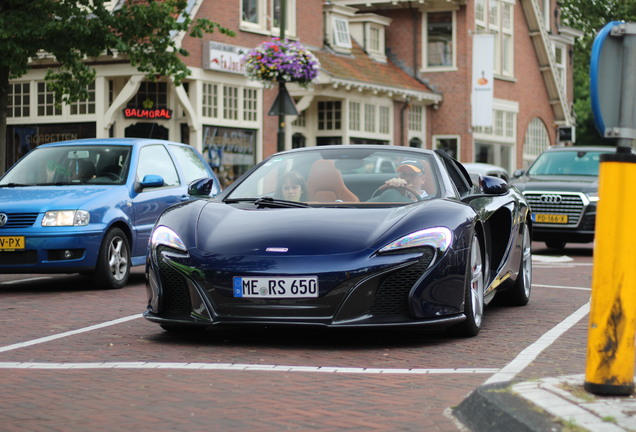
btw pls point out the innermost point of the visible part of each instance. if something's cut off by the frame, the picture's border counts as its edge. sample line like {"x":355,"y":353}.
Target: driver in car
{"x":411,"y":176}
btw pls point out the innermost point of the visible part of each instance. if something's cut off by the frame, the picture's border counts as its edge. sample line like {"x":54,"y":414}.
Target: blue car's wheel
{"x":474,"y":293}
{"x":113,"y":263}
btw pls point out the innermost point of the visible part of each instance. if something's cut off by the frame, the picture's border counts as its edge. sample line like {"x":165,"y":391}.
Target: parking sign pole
{"x":612,"y":323}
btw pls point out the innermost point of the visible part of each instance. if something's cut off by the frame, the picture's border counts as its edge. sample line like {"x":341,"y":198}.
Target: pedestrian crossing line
{"x":244,"y":367}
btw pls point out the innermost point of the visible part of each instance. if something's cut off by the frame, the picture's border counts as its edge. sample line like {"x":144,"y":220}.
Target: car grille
{"x":20,"y":220}
{"x":393,"y":296}
{"x":570,"y":204}
{"x":175,"y":299}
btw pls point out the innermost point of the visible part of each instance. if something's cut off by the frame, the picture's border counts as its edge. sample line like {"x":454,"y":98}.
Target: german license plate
{"x":10,"y":243}
{"x":276,"y":287}
{"x":551,"y":218}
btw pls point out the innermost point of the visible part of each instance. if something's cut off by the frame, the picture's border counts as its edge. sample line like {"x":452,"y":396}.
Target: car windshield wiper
{"x":268,"y":201}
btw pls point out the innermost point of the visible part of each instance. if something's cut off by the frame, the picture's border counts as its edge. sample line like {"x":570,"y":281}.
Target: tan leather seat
{"x":325,"y":184}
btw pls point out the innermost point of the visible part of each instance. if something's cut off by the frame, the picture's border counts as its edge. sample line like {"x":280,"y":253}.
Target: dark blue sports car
{"x":343,"y":236}
{"x":89,"y":206}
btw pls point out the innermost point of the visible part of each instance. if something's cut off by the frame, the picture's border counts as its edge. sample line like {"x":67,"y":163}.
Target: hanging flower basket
{"x":281,"y":60}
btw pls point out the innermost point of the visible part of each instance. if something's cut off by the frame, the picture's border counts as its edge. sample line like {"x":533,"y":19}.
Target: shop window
{"x":369,"y":118}
{"x":440,"y":40}
{"x":230,"y":102}
{"x":384,"y":120}
{"x":329,"y":115}
{"x":210,"y":100}
{"x":354,"y":116}
{"x":18,"y":103}
{"x":46,"y":101}
{"x":299,"y":140}
{"x":150,"y":95}
{"x":250,"y":106}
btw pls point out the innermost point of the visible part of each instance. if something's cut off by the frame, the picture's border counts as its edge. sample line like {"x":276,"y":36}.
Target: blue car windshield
{"x":567,"y":162}
{"x":349,"y":176}
{"x":70,"y":165}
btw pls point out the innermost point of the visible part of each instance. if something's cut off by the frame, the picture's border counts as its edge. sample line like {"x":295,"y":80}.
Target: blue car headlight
{"x":65,"y":218}
{"x":439,"y":237}
{"x":164,"y":236}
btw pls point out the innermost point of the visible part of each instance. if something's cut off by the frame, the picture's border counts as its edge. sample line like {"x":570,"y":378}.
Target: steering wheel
{"x":405,"y":191}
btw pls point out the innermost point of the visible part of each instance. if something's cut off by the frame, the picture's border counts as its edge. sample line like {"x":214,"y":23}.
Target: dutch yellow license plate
{"x":11,"y":243}
{"x":551,"y":218}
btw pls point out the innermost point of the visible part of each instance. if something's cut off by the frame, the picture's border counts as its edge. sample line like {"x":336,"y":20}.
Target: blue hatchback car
{"x":89,"y":206}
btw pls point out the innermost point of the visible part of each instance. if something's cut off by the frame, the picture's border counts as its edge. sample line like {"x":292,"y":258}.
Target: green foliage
{"x":71,"y":30}
{"x":590,"y":16}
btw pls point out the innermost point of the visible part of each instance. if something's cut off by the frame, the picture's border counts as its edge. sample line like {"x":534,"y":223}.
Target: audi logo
{"x":551,"y":199}
{"x":3,"y":219}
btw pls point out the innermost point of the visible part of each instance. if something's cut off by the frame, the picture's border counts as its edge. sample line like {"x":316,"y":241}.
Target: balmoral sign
{"x":148,"y":113}
{"x":225,"y":58}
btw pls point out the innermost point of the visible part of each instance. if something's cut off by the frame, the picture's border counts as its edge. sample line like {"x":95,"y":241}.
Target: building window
{"x":210,"y":100}
{"x":369,"y":118}
{"x":46,"y":101}
{"x":497,"y":17}
{"x":450,"y":144}
{"x":86,"y":106}
{"x":250,"y":106}
{"x":230,"y":102}
{"x":385,"y":120}
{"x":536,"y":141}
{"x":354,"y":116}
{"x":559,"y":58}
{"x":440,"y":40}
{"x":150,"y":95}
{"x":416,"y":118}
{"x":251,"y":11}
{"x":263,"y":16}
{"x":374,"y":38}
{"x":329,"y":115}
{"x":341,"y":35}
{"x":290,"y":14}
{"x":18,"y":104}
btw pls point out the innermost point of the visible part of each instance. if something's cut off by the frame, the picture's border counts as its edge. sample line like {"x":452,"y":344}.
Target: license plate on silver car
{"x":275,"y":287}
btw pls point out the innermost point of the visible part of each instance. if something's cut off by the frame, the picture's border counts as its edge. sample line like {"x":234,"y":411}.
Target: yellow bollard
{"x":610,"y":349}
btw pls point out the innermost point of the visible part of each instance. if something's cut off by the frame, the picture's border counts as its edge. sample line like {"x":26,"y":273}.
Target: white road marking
{"x":562,"y":287}
{"x":241,"y":367}
{"x":525,"y":357}
{"x":68,"y":333}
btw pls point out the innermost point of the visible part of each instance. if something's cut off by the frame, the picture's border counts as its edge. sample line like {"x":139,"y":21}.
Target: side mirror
{"x":201,"y":187}
{"x":518,"y":173}
{"x":151,"y":180}
{"x":494,"y":185}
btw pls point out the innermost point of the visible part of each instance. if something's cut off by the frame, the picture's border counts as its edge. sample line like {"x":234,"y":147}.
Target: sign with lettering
{"x":225,"y":58}
{"x":148,"y":114}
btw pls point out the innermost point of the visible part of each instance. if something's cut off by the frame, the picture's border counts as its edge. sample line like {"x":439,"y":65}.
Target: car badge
{"x":3,"y":219}
{"x":276,"y":249}
{"x":551,"y":199}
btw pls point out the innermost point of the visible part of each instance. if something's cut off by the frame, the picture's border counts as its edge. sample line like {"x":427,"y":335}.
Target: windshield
{"x":570,"y":162}
{"x":70,"y":165}
{"x":341,"y":176}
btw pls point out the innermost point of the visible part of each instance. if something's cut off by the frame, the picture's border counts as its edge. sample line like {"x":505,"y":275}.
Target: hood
{"x":39,"y":199}
{"x":231,"y":230}
{"x":557,"y":183}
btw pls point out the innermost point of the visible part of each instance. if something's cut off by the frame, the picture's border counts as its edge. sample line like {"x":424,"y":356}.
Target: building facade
{"x":487,"y":80}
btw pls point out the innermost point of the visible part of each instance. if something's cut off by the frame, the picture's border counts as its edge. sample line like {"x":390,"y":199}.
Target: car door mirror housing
{"x":151,"y":180}
{"x":201,"y":187}
{"x":494,"y":185}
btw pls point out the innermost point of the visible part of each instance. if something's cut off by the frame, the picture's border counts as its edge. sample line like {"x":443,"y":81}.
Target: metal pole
{"x":281,"y":117}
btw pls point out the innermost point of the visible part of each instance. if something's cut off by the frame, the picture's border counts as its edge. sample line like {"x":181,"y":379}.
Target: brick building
{"x":392,"y":72}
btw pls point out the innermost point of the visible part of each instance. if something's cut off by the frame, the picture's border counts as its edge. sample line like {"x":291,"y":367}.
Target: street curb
{"x":496,"y":408}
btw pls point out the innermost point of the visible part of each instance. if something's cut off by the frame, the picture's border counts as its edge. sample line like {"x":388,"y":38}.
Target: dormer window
{"x":341,"y":35}
{"x":368,"y":30}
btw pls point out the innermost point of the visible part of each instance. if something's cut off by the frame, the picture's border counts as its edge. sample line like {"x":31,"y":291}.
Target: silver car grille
{"x":562,"y":203}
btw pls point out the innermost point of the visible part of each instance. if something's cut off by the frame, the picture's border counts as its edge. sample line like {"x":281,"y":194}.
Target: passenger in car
{"x":292,"y":187}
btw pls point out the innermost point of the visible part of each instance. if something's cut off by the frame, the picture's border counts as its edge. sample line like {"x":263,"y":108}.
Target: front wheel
{"x":474,"y":293}
{"x":113,"y":263}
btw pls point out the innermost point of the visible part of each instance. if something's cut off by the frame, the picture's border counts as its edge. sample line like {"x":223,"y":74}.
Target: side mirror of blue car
{"x":151,"y":180}
{"x":201,"y":187}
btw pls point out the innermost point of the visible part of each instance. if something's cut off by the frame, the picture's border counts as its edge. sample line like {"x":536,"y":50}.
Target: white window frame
{"x":230,"y":105}
{"x":341,"y":32}
{"x":19,"y":103}
{"x":265,"y":19}
{"x":560,"y":62}
{"x":453,"y":65}
{"x":290,"y":19}
{"x":535,"y":140}
{"x":494,"y":22}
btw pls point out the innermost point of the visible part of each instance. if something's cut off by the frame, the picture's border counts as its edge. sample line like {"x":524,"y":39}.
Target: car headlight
{"x":66,"y":218}
{"x":592,"y":196}
{"x":439,"y":238}
{"x":163,"y":235}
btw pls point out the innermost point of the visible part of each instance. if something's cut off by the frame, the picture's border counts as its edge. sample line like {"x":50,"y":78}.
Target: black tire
{"x":474,"y":293}
{"x":552,"y":244}
{"x":519,"y":293}
{"x":113,"y":263}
